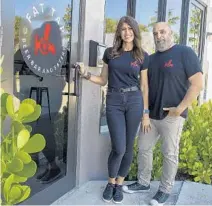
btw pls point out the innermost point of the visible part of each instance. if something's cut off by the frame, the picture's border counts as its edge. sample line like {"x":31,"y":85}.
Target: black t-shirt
{"x":123,"y":71}
{"x":168,"y":75}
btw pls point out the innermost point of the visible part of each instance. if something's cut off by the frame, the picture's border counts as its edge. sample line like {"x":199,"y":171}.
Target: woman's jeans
{"x":124,"y":112}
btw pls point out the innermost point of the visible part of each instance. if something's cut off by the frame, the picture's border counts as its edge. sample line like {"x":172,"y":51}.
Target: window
{"x":146,"y":15}
{"x":114,"y":10}
{"x":195,"y":27}
{"x":173,"y":16}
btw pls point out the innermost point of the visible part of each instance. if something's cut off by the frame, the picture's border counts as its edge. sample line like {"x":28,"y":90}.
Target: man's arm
{"x":196,"y":85}
{"x":193,"y":92}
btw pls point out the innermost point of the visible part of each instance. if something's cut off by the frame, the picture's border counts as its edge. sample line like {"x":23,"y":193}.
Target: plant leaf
{"x":15,"y":165}
{"x":22,"y":138}
{"x":24,"y":157}
{"x":17,"y":126}
{"x":25,"y":110}
{"x":10,"y":106}
{"x":4,"y":97}
{"x":29,"y":128}
{"x":34,"y":116}
{"x":7,"y":186}
{"x":18,"y":179}
{"x":28,"y":171}
{"x":26,"y":192}
{"x":3,"y":167}
{"x":14,"y":194}
{"x":35,"y":144}
{"x":32,"y":102}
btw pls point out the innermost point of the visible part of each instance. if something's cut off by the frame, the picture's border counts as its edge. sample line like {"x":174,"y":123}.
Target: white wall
{"x":93,"y":149}
{"x":208,"y":46}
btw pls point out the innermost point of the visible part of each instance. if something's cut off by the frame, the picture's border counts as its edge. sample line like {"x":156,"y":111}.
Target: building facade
{"x":73,"y":118}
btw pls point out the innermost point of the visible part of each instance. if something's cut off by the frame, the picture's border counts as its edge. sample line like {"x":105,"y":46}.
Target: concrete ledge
{"x":195,"y":194}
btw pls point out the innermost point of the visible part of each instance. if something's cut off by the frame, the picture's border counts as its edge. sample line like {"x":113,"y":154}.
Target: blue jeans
{"x":124,"y":112}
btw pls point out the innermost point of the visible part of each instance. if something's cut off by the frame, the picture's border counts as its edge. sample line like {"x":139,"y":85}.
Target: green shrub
{"x":16,"y":146}
{"x":196,"y":144}
{"x":195,"y":158}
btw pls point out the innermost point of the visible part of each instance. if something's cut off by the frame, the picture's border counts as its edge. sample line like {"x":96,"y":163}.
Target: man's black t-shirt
{"x":168,"y":76}
{"x":123,"y":71}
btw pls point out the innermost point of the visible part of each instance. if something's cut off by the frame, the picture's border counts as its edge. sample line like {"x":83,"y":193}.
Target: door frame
{"x":58,"y":188}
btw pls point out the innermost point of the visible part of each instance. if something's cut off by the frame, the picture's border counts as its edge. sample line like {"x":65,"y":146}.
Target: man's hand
{"x":173,"y":111}
{"x":146,"y":126}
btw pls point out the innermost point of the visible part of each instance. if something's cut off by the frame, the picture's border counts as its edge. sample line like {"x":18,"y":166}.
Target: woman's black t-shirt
{"x":124,"y":71}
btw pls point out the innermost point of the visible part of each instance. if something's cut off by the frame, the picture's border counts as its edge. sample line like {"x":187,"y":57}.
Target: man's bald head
{"x":162,"y":25}
{"x":163,"y":36}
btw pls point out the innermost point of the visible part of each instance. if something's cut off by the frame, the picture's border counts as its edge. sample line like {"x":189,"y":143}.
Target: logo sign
{"x":42,"y":41}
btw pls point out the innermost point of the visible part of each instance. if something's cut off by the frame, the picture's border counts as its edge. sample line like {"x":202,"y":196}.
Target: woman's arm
{"x":100,"y":80}
{"x":103,"y":78}
{"x":145,"y":88}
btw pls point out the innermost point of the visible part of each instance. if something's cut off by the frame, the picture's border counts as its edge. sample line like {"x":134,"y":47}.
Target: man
{"x":175,"y":81}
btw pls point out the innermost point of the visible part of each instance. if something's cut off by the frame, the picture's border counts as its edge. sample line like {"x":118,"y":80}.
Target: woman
{"x":125,"y":104}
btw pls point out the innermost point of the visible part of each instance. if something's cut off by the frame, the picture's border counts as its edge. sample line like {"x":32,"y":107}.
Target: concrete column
{"x":7,"y":47}
{"x":93,"y":149}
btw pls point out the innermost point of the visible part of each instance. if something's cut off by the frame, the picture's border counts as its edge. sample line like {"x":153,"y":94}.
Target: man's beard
{"x":163,"y":45}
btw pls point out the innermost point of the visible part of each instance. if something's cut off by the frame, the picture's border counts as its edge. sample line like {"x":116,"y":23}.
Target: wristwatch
{"x":87,"y":76}
{"x":146,"y":111}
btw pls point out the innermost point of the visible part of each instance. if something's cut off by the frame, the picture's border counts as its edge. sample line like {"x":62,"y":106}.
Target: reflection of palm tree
{"x":172,"y":20}
{"x":194,"y":29}
{"x":153,"y":20}
{"x":67,"y":21}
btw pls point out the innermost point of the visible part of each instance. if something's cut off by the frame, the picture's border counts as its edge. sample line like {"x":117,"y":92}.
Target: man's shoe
{"x":40,"y":176}
{"x":118,"y":194}
{"x":135,"y":187}
{"x":159,"y":198}
{"x":52,"y":175}
{"x":108,"y":192}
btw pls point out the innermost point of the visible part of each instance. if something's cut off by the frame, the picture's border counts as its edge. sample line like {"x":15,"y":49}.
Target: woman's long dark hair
{"x":137,"y":51}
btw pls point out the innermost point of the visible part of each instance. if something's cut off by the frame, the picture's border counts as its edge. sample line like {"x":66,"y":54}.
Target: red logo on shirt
{"x":168,"y":64}
{"x":134,"y":64}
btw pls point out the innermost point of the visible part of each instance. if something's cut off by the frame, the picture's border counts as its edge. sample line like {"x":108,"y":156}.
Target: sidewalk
{"x":183,"y":193}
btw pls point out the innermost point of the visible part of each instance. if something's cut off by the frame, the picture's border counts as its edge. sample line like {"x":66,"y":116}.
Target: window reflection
{"x":47,"y":90}
{"x":173,"y":16}
{"x":194,"y":28}
{"x":112,"y":16}
{"x":146,"y":15}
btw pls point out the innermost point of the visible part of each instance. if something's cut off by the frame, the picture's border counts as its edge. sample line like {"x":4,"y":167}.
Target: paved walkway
{"x":183,"y":193}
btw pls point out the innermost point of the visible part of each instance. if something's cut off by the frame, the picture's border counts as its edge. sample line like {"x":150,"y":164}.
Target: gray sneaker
{"x":135,"y":187}
{"x":118,"y":194}
{"x":108,"y":192}
{"x":159,"y":199}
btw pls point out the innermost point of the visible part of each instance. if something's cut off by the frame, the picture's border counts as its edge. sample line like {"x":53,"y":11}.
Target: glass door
{"x":43,"y":37}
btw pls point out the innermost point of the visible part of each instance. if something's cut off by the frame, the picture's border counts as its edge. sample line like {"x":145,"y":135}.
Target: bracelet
{"x":88,"y":76}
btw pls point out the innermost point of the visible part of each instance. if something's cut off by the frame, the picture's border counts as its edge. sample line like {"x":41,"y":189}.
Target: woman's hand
{"x":146,"y":126}
{"x":82,"y":70}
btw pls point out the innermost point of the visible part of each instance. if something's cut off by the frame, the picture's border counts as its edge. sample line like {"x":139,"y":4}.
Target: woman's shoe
{"x":118,"y":194}
{"x":108,"y":192}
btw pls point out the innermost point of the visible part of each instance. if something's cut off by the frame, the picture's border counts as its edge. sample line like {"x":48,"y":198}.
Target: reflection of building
{"x":84,"y":140}
{"x":148,"y":42}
